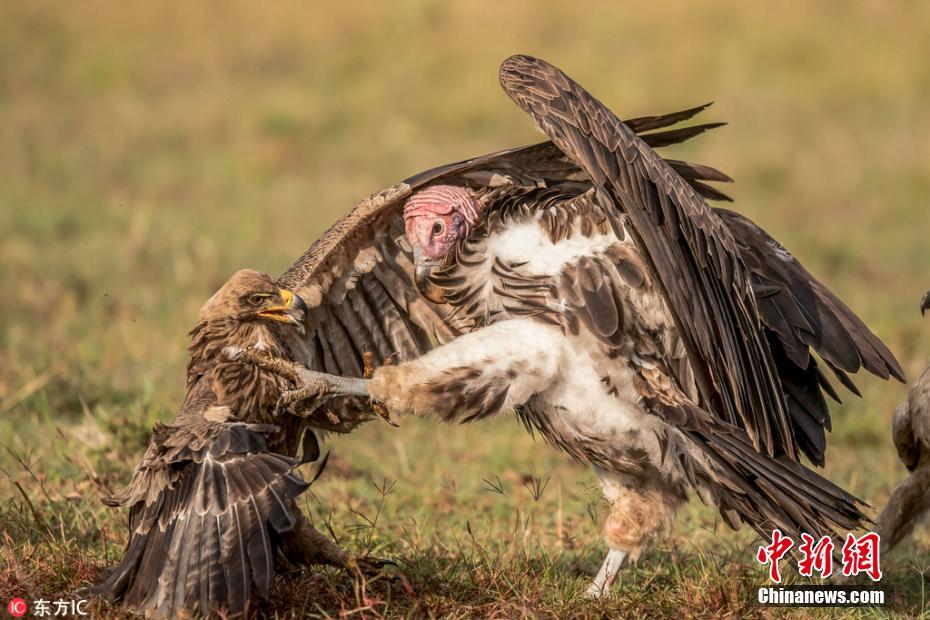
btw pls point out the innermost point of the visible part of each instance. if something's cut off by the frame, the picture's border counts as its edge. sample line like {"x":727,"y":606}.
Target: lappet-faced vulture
{"x":586,"y":284}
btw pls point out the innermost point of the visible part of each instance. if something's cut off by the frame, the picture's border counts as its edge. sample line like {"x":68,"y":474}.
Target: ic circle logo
{"x":17,"y":607}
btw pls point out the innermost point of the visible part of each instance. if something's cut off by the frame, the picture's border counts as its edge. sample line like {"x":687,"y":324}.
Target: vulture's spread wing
{"x":741,"y":314}
{"x":357,"y":279}
{"x":207,"y":504}
{"x":800,"y":314}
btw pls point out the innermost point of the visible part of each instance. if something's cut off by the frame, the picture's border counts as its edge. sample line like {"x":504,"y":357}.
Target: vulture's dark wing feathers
{"x":801,"y":315}
{"x":207,"y":505}
{"x":692,"y":254}
{"x":357,"y":279}
{"x":749,"y":313}
{"x":802,"y":311}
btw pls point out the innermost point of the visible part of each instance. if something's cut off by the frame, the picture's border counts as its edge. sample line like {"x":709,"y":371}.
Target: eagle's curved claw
{"x":309,"y":385}
{"x":369,"y":565}
{"x":289,"y":397}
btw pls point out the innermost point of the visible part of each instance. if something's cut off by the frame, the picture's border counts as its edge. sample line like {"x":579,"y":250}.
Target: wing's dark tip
{"x":648,"y":123}
{"x":659,"y":139}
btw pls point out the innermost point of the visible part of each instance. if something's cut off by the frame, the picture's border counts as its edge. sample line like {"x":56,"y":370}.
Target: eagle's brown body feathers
{"x":212,"y":502}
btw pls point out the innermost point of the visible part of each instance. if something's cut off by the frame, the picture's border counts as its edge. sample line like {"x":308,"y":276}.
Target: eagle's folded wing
{"x":208,"y":504}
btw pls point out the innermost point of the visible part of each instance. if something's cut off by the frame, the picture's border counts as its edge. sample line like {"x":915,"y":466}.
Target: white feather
{"x":527,"y":242}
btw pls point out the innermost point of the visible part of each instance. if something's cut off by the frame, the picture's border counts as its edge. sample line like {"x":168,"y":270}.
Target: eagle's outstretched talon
{"x":308,"y":384}
{"x":313,"y":393}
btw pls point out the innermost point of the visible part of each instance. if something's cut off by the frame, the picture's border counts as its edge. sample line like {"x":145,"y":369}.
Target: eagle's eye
{"x":437,"y":229}
{"x":256,"y":298}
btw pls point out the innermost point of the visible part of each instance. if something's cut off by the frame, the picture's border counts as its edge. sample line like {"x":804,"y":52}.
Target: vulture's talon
{"x":368,"y":360}
{"x":382,"y":412}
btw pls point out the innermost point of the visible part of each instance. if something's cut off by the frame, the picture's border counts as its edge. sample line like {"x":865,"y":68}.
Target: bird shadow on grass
{"x":434,"y":583}
{"x":437,"y":583}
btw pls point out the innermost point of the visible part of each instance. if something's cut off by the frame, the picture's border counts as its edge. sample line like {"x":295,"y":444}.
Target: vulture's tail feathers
{"x":781,"y":493}
{"x":205,"y":542}
{"x":763,"y":491}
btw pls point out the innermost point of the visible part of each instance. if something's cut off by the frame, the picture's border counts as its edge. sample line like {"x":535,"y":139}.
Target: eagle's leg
{"x":638,"y":513}
{"x":306,"y":545}
{"x":310,"y":384}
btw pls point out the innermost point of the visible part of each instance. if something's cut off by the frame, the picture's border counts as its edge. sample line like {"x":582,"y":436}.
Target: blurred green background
{"x":148,"y":151}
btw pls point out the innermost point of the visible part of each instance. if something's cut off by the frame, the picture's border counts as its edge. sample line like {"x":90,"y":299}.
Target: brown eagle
{"x":213,"y":499}
{"x":910,"y":501}
{"x":585,"y":284}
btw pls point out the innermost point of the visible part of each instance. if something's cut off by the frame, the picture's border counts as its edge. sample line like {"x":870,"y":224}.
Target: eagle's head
{"x":251,"y":296}
{"x":436,"y":218}
{"x":925,"y":303}
{"x":250,"y":310}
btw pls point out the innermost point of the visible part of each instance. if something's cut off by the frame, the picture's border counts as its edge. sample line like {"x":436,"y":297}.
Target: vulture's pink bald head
{"x":438,"y":216}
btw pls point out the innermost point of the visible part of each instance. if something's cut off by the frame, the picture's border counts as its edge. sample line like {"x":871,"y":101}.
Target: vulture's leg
{"x":481,"y":373}
{"x":637,"y":515}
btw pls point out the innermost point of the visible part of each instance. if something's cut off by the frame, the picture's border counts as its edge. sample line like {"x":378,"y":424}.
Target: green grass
{"x":147,"y":153}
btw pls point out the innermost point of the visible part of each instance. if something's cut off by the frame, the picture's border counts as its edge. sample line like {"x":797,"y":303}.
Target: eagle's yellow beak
{"x":291,"y":310}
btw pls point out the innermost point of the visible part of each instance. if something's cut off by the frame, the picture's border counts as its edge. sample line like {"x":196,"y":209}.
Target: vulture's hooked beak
{"x":423,"y":268}
{"x":925,"y":303}
{"x":292,"y":310}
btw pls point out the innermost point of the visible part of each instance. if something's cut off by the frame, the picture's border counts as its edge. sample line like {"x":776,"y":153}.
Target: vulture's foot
{"x":312,"y":388}
{"x":600,"y":587}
